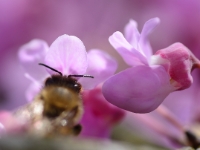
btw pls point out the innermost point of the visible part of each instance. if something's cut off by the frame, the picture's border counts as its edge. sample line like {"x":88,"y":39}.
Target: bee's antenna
{"x":87,"y":76}
{"x":51,"y":68}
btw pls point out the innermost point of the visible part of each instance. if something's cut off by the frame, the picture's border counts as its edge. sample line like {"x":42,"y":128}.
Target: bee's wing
{"x":30,"y":112}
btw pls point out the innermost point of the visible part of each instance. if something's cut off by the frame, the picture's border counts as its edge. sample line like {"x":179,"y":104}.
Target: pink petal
{"x":95,"y":122}
{"x":30,"y":55}
{"x":67,"y":54}
{"x":139,"y":89}
{"x":144,"y":45}
{"x":100,"y":66}
{"x":130,"y":55}
{"x":131,"y":33}
{"x":179,"y":61}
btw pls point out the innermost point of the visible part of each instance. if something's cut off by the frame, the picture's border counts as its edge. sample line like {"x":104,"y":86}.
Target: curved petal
{"x":30,"y":55}
{"x":100,"y":66}
{"x":131,"y":33}
{"x":67,"y":54}
{"x":179,"y":62}
{"x":139,"y":89}
{"x":144,"y":46}
{"x":131,"y":56}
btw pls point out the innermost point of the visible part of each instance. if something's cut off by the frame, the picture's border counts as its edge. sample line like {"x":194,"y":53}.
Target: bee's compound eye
{"x":77,"y":86}
{"x":49,"y":81}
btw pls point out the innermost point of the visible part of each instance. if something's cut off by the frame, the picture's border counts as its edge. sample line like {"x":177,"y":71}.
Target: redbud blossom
{"x":144,"y":86}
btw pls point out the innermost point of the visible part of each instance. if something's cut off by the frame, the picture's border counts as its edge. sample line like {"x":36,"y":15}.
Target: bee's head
{"x":63,"y":81}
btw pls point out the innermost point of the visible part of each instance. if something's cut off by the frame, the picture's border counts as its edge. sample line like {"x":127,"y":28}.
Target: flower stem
{"x":165,"y":113}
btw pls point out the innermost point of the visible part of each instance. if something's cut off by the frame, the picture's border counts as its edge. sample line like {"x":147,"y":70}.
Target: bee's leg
{"x":77,"y":129}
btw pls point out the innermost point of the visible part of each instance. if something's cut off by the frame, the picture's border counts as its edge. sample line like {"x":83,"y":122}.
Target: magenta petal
{"x":139,"y":89}
{"x":30,"y":55}
{"x":144,"y":45}
{"x":130,"y":55}
{"x":67,"y":54}
{"x":100,"y":66}
{"x":100,"y":116}
{"x":131,"y":33}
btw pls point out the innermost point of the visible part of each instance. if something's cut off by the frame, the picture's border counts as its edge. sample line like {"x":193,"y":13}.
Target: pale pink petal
{"x":100,"y":66}
{"x":10,"y":123}
{"x":140,"y":89}
{"x":30,"y":55}
{"x":2,"y":130}
{"x":67,"y":54}
{"x":144,"y":46}
{"x":131,"y":33}
{"x":32,"y":91}
{"x":130,"y":55}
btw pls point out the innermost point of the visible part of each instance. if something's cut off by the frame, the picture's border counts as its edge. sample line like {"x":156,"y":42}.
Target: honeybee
{"x":57,"y":109}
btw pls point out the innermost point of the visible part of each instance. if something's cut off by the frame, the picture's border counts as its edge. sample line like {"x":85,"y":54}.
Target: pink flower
{"x":144,"y":86}
{"x":67,"y":54}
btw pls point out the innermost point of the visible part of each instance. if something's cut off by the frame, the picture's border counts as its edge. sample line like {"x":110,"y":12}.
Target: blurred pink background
{"x":93,"y":22}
